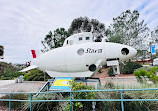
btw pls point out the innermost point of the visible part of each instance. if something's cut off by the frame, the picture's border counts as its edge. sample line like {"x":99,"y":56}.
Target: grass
{"x":133,"y":105}
{"x":47,"y":106}
{"x":14,"y":105}
{"x":100,"y":106}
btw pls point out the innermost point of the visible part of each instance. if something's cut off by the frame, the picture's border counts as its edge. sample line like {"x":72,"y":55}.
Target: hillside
{"x":7,"y":71}
{"x":4,"y":66}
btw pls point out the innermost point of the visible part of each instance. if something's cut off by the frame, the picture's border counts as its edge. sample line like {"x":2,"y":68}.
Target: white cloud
{"x":23,"y":24}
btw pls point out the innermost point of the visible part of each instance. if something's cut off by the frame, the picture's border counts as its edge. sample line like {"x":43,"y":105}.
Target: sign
{"x":113,"y":63}
{"x":61,"y":83}
{"x":89,"y":50}
{"x":153,"y":51}
{"x":154,"y":47}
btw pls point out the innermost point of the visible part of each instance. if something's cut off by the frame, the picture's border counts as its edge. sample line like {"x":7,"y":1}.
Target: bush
{"x":99,"y":71}
{"x":128,"y":105}
{"x":35,"y":75}
{"x":146,"y":74}
{"x":9,"y":72}
{"x":46,"y":106}
{"x":64,"y":106}
{"x":10,"y":75}
{"x":110,"y":72}
{"x":5,"y":67}
{"x":14,"y":105}
{"x":130,"y":67}
{"x":81,"y":106}
{"x":100,"y":106}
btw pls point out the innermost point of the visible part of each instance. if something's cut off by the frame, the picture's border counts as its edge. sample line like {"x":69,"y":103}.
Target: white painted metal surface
{"x":155,"y":62}
{"x":80,"y":58}
{"x":113,"y":63}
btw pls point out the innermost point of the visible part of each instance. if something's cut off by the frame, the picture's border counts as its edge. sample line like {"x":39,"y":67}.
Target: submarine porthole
{"x":125,"y":51}
{"x":80,"y":51}
{"x":92,"y":67}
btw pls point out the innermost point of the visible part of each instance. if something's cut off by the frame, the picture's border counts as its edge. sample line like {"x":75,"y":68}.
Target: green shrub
{"x":130,"y":67}
{"x":47,"y":106}
{"x":80,"y":106}
{"x":64,"y":106}
{"x":99,"y":71}
{"x":100,"y":106}
{"x":9,"y":72}
{"x":128,"y":105}
{"x":10,"y":75}
{"x":14,"y":105}
{"x":110,"y":72}
{"x":35,"y":75}
{"x":146,"y":74}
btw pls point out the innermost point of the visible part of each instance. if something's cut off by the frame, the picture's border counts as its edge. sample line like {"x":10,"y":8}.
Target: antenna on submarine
{"x":92,"y":28}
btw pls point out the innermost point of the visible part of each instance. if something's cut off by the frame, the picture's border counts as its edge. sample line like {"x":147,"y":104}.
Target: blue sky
{"x":24,"y":23}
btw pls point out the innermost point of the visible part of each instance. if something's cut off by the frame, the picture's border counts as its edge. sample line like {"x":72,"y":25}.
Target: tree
{"x":54,"y":40}
{"x":126,"y":29}
{"x":7,"y":71}
{"x":154,"y":35}
{"x":84,"y":24}
{"x":35,"y":75}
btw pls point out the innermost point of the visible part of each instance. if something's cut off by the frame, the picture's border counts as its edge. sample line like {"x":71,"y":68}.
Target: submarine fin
{"x":29,"y":68}
{"x":64,"y":74}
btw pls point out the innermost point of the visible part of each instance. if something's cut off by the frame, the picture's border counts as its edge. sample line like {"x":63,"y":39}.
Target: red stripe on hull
{"x":33,"y":53}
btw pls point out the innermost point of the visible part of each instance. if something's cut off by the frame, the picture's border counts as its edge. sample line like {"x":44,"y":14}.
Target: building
{"x":1,"y":52}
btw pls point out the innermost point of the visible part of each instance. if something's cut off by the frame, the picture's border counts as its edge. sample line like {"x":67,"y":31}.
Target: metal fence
{"x":31,"y":100}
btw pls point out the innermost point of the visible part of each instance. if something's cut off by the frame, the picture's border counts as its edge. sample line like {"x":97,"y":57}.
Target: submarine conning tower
{"x":79,"y":38}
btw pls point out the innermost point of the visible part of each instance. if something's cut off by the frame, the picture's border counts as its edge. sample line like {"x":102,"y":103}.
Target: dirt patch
{"x":104,"y":74}
{"x":125,"y":75}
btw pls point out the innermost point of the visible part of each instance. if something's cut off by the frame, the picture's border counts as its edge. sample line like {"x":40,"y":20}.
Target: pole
{"x":30,"y":101}
{"x":70,"y":101}
{"x":122,"y":106}
{"x":151,"y":54}
{"x":10,"y":102}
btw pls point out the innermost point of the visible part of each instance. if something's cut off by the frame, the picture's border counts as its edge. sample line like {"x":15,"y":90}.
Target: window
{"x":80,"y":38}
{"x":67,"y":41}
{"x":98,"y":39}
{"x":71,"y":42}
{"x":80,"y":51}
{"x":87,"y":38}
{"x":124,"y":51}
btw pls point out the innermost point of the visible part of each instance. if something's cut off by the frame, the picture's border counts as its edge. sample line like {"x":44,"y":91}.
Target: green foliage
{"x":128,"y":106}
{"x":100,"y":71}
{"x":110,"y":72}
{"x":84,"y":24}
{"x":82,"y":95}
{"x":47,"y":106}
{"x":10,"y":73}
{"x":130,"y":67}
{"x":35,"y":75}
{"x":14,"y":105}
{"x":63,"y":106}
{"x":54,"y":40}
{"x":4,"y":66}
{"x":154,"y":35}
{"x":144,"y":75}
{"x":126,"y":29}
{"x":86,"y":106}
